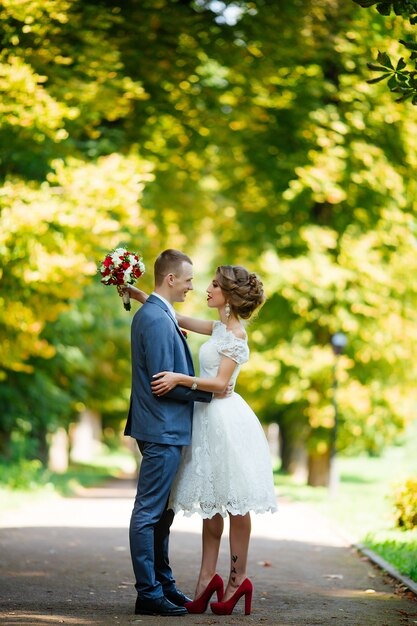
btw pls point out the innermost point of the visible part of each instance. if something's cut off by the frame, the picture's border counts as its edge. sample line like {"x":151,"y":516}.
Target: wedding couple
{"x":226,"y":470}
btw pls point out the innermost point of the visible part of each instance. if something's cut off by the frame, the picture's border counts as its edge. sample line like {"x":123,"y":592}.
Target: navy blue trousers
{"x":151,"y":520}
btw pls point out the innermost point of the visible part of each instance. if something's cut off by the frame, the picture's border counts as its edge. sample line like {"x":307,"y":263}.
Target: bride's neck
{"x":231,"y":322}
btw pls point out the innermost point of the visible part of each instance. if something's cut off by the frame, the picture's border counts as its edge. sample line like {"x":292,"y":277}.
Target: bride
{"x":227,"y":468}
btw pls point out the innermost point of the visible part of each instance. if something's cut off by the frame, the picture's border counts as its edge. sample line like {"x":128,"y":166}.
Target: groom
{"x":161,"y":426}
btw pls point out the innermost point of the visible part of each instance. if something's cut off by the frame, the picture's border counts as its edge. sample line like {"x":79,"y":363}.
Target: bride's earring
{"x":227,"y":311}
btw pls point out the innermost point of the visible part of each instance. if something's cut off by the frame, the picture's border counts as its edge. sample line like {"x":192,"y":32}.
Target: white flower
{"x":115,"y":256}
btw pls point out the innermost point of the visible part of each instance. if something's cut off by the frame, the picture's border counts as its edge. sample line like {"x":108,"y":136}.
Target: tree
{"x":170,"y":123}
{"x":322,"y":189}
{"x":402,"y":78}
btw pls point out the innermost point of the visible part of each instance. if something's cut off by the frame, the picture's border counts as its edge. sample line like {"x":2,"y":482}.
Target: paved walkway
{"x":66,"y":561}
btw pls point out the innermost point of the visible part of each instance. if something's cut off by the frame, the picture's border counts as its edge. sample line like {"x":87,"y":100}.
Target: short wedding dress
{"x":227,"y":467}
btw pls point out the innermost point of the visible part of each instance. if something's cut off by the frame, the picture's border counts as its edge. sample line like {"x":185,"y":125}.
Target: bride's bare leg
{"x":212,"y":534}
{"x":240,"y":528}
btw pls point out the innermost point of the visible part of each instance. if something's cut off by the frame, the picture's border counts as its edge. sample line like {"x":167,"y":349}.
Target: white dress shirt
{"x":169,"y":305}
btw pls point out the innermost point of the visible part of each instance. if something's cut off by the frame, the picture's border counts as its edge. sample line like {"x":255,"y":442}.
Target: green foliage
{"x":405,"y":503}
{"x":50,"y":239}
{"x":406,"y":8}
{"x":402,"y":78}
{"x":222,"y":139}
{"x":333,"y":211}
{"x":400,"y":551}
{"x":80,"y":475}
{"x":31,"y":476}
{"x":22,"y":474}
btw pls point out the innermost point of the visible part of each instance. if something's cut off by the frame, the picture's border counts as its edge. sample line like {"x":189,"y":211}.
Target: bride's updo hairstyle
{"x":243,"y":291}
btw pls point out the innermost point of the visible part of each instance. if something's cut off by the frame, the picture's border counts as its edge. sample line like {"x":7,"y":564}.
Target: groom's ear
{"x":170,"y":278}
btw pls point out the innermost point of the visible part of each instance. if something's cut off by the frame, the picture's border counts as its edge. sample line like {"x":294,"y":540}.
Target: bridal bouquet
{"x":121,"y":267}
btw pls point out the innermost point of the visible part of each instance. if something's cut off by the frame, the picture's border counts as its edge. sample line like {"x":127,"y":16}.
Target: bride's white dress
{"x":227,"y":467}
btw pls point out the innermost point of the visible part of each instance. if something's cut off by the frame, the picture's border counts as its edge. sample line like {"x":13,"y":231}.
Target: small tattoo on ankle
{"x":234,"y":570}
{"x":234,"y":558}
{"x":233,"y":578}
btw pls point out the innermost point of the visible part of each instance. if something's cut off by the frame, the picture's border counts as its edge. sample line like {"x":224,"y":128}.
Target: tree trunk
{"x":5,"y":447}
{"x":86,"y":437}
{"x":273,"y":438}
{"x":58,"y":451}
{"x":293,"y":454}
{"x":43,"y":447}
{"x":318,"y":469}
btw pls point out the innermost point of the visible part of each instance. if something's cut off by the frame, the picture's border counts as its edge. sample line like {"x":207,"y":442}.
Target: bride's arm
{"x":165,"y":381}
{"x":134,"y":292}
{"x":204,"y":327}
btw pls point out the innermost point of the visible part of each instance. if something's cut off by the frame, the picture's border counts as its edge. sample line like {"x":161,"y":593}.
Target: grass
{"x":363,"y":507}
{"x":398,"y":548}
{"x":104,"y":466}
{"x":28,"y":481}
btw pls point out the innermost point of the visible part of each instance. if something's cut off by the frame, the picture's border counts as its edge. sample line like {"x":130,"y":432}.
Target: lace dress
{"x":227,"y":467}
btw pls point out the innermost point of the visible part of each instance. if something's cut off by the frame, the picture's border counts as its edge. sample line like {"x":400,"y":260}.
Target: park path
{"x":66,"y":561}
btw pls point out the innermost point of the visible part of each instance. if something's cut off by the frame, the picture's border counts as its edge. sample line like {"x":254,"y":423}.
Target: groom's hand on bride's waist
{"x":226,"y":393}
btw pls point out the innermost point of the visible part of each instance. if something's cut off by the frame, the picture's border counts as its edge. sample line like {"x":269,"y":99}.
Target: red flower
{"x":184,"y":332}
{"x":125,"y":269}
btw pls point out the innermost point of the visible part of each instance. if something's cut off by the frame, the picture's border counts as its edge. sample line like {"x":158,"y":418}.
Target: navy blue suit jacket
{"x":158,"y":345}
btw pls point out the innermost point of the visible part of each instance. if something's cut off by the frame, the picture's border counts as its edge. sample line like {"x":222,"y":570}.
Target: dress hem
{"x":223,"y":511}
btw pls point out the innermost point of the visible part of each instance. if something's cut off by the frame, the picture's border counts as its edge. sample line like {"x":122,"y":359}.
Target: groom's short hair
{"x":169,"y":262}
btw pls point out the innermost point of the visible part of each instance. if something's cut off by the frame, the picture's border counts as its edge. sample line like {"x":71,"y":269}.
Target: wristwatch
{"x":194,"y":385}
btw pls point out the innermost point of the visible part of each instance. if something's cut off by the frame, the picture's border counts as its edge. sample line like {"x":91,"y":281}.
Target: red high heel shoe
{"x":200,"y":604}
{"x":226,"y":608}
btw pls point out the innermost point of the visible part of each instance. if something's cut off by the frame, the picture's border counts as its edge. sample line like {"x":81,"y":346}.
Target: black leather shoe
{"x":177,"y":597}
{"x":159,"y":606}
